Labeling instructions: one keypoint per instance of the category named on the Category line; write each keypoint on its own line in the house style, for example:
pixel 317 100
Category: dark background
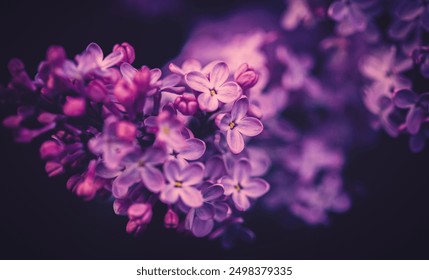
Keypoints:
pixel 40 219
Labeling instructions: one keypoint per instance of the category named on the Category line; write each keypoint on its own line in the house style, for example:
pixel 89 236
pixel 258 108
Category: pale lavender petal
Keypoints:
pixel 102 171
pixel 192 174
pixel 172 170
pixel 219 74
pixel 228 184
pixel 256 187
pixel 193 149
pixel 208 102
pixel 95 51
pixel 170 195
pixel 400 29
pixel 112 59
pixel 240 108
pixel 197 81
pixel 155 75
pixel 242 170
pixel 224 122
pixel 152 178
pixel 191 197
pixel 171 80
pixel 228 92
pixel 235 141
pixel 405 98
pixel 241 201
pixel 249 126
pixel 124 181
pixel 201 228
pixel 415 118
pixel 128 71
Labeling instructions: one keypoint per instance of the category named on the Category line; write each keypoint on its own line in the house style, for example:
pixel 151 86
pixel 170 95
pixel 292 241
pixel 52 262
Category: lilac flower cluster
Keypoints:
pixel 144 138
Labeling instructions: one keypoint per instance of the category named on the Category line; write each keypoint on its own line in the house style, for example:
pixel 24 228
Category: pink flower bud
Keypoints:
pixel 53 168
pixel 142 79
pixel 50 149
pixel 126 130
pixel 142 212
pixel 74 106
pixel 186 104
pixel 55 54
pixel 171 220
pixel 96 91
pixel 87 189
pixel 125 92
pixel 127 50
pixel 245 76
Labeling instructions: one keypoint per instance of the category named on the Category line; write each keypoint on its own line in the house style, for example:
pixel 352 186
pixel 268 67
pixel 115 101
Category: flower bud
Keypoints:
pixel 171 220
pixel 126 130
pixel 141 212
pixel 50 149
pixel 127 50
pixel 125 92
pixel 55 54
pixel 186 104
pixel 74 106
pixel 96 91
pixel 245 76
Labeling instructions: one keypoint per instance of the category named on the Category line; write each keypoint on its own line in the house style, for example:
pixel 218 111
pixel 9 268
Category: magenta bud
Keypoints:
pixel 55 54
pixel 245 76
pixel 186 104
pixel 53 168
pixel 142 212
pixel 126 130
pixel 87 189
pixel 50 149
pixel 96 91
pixel 127 50
pixel 125 92
pixel 142 79
pixel 171 220
pixel 74 106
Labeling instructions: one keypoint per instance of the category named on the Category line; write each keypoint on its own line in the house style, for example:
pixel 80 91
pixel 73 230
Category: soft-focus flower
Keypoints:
pixel 128 53
pixel 241 186
pixel 140 167
pixel 236 124
pixel 213 89
pixel 349 15
pixel 140 214
pixel 181 182
pixel 417 105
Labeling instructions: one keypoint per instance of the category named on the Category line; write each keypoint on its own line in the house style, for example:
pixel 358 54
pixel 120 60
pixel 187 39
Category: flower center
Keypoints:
pixel 141 163
pixel 178 184
pixel 238 187
pixel 232 125
pixel 213 92
pixel 165 130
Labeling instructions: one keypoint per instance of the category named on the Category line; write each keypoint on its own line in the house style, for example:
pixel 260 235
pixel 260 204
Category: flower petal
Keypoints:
pixel 192 174
pixel 201 228
pixel 228 92
pixel 219 74
pixel 409 10
pixel 228 184
pixel 249 126
pixel 338 10
pixel 415 118
pixel 241 201
pixel 256 187
pixel 205 212
pixel 193 149
pixel 170 195
pixel 124 181
pixel 224 122
pixel 208 102
pixel 197 81
pixel 235 141
pixel 191 197
pixel 405 98
pixel 154 155
pixel 221 211
pixel 112 59
pixel 152 178
pixel 215 168
pixel 240 108
pixel 213 192
pixel 128 71
pixel 172 171
pixel 242 170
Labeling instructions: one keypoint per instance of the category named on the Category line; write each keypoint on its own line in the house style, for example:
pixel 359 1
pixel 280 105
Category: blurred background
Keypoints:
pixel 41 219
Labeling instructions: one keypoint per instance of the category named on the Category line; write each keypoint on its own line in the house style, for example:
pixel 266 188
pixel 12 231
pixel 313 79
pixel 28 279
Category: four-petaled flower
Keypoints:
pixel 241 186
pixel 181 182
pixel 213 88
pixel 236 124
